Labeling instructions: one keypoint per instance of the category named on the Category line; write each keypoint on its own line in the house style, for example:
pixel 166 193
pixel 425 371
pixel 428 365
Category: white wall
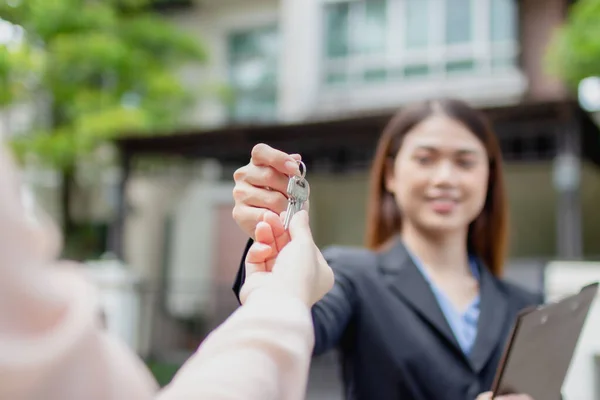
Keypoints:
pixel 193 246
pixel 299 69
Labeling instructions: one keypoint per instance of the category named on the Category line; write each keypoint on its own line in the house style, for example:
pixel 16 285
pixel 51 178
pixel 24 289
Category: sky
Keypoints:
pixel 9 33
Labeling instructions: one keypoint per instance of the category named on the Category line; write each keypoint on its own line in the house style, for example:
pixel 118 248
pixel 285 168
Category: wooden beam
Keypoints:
pixel 319 139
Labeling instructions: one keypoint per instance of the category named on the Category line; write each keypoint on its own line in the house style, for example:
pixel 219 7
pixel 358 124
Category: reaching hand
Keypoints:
pixel 284 261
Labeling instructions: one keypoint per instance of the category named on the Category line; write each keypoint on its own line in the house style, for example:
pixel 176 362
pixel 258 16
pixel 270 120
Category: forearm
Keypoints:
pixel 53 348
pixel 261 352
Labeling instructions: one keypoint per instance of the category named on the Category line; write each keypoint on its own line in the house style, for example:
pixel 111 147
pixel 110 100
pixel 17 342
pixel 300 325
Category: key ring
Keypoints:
pixel 302 170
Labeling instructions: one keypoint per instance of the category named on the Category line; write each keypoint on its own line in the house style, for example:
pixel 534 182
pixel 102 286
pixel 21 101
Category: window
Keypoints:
pixel 355 31
pixel 382 40
pixel 503 33
pixel 253 74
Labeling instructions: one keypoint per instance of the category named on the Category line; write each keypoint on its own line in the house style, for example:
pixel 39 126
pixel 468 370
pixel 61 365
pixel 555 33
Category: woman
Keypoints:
pixel 52 346
pixel 422 313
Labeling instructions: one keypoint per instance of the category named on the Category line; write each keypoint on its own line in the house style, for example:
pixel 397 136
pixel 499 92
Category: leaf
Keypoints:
pixel 19 70
pixel 96 127
pixel 574 51
pixel 156 36
pixel 109 68
pixel 56 148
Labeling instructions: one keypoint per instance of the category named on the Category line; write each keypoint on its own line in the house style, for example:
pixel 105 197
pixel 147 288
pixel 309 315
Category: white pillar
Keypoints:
pixel 299 60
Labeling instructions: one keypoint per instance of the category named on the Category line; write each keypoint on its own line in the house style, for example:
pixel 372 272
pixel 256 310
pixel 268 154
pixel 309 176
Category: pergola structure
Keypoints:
pixel 528 132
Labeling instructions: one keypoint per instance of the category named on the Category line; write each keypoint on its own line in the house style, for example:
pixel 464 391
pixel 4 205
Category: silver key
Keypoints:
pixel 297 196
pixel 298 191
pixel 301 191
pixel 291 203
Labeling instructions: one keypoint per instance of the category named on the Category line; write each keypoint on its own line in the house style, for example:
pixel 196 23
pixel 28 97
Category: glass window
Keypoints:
pixel 336 16
pixel 371 32
pixel 503 20
pixel 503 30
pixel 370 41
pixel 417 23
pixel 253 74
pixel 355 27
pixel 458 21
pixel 456 67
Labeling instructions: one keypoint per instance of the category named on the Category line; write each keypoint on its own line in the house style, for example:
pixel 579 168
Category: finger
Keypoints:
pixel 485 396
pixel 255 258
pixel 299 228
pixel 258 253
pixel 267 177
pixel 282 237
pixel 253 196
pixel 264 234
pixel 265 155
pixel 282 216
pixel 247 217
pixel 252 268
pixel 275 222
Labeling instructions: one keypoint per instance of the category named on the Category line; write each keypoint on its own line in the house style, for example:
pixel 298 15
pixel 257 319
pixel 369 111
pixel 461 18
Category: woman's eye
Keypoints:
pixel 466 163
pixel 424 160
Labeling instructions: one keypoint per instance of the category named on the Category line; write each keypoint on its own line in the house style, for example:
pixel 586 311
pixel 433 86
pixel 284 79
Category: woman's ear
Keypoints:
pixel 389 177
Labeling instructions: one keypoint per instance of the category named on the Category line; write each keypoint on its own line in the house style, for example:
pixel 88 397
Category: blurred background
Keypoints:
pixel 130 116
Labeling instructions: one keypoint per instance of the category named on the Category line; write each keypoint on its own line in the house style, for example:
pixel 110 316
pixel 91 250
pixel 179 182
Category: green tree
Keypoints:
pixel 104 68
pixel 574 52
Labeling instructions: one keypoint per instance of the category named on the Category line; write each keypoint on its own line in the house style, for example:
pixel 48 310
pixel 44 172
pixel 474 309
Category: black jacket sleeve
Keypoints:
pixel 240 278
pixel 332 314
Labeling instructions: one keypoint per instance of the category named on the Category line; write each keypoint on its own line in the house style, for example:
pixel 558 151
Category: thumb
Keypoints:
pixel 299 227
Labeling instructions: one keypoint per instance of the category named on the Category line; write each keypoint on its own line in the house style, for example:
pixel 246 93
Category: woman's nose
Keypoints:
pixel 444 173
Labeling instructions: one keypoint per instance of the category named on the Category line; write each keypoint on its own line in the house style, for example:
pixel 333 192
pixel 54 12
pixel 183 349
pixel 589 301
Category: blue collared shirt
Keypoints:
pixel 464 325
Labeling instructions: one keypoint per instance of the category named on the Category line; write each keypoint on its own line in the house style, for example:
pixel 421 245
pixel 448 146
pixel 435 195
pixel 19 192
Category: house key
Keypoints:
pixel 298 191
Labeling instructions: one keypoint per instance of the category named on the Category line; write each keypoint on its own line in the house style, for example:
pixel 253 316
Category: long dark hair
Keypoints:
pixel 487 235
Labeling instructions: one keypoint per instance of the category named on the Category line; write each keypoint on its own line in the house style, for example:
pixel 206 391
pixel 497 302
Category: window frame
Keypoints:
pixel 262 91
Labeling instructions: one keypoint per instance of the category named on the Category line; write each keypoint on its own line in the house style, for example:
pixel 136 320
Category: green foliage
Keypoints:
pixel 18 69
pixel 574 53
pixel 107 67
pixel 163 372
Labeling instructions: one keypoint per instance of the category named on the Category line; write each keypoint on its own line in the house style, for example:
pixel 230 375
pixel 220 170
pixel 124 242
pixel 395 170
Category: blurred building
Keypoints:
pixel 321 78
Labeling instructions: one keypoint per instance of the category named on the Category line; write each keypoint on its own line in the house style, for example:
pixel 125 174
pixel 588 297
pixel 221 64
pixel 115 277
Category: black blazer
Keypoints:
pixel 393 339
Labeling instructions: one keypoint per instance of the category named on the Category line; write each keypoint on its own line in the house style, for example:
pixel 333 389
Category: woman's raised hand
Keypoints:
pixel 261 185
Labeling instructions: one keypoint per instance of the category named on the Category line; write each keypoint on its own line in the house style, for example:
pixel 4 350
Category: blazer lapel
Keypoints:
pixel 406 281
pixel 492 320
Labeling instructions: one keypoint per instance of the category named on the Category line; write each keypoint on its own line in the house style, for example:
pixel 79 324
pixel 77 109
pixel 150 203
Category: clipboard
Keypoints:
pixel 541 346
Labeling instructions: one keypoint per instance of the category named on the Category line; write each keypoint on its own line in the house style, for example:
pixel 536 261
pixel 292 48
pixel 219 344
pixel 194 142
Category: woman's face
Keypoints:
pixel 440 176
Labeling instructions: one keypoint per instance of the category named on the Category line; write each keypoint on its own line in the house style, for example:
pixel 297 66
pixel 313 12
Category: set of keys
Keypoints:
pixel 298 191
